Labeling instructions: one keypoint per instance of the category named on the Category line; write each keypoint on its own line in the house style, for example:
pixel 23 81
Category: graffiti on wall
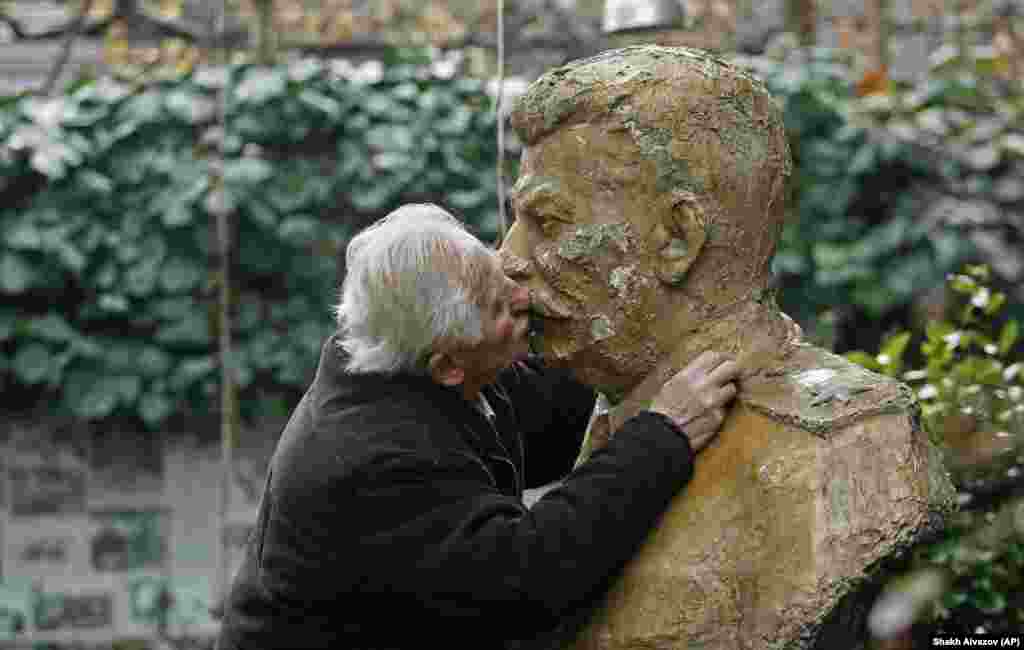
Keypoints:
pixel 50 487
pixel 46 475
pixel 128 540
pixel 45 550
pixel 179 605
pixel 40 548
pixel 58 611
pixel 15 609
pixel 88 541
pixel 125 468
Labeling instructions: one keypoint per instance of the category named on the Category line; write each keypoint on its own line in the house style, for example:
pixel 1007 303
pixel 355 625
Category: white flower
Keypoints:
pixel 883 359
pixel 928 392
pixel 369 72
pixel 1011 371
pixel 981 297
pixel 897 609
pixel 444 69
pixel 1015 393
pixel 991 349
pixel 342 68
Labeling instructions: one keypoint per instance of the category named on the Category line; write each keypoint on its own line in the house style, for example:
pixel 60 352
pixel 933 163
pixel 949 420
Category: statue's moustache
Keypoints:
pixel 547 305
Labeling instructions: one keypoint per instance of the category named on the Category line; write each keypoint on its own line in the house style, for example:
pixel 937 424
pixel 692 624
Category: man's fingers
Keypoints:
pixel 724 394
pixel 714 397
pixel 725 372
pixel 703 364
pixel 709 359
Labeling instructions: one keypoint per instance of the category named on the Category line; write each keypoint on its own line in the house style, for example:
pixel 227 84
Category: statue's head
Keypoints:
pixel 649 202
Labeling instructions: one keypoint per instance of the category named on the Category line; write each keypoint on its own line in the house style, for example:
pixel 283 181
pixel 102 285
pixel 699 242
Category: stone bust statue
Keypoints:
pixel 648 208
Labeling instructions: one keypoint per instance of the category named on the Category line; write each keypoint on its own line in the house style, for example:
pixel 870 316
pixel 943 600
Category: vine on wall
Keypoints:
pixel 888 187
pixel 106 212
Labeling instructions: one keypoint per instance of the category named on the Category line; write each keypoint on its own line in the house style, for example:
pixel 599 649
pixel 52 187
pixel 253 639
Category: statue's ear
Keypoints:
pixel 679 239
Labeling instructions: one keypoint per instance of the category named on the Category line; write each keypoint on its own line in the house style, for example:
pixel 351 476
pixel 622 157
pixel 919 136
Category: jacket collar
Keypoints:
pixel 494 440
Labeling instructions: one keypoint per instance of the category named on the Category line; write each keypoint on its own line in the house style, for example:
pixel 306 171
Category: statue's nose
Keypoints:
pixel 512 253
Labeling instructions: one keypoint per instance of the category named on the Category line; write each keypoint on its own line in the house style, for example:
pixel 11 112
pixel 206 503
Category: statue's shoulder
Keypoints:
pixel 821 391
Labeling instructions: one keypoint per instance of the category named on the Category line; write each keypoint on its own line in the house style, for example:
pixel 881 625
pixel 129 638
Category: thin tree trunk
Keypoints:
pixel 802 20
pixel 65 48
pixel 229 391
pixel 266 31
pixel 885 30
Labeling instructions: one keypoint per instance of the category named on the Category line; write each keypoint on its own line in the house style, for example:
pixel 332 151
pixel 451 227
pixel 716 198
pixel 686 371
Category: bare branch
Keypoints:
pixel 76 25
pixel 65 50
pixel 179 29
pixel 14 25
pixel 487 41
pixel 134 15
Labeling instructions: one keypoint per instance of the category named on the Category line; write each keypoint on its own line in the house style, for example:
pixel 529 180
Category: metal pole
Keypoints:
pixel 229 398
pixel 499 109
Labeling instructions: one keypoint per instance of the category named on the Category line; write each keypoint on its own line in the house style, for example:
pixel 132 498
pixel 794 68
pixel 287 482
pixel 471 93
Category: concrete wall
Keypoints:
pixel 918 28
pixel 93 525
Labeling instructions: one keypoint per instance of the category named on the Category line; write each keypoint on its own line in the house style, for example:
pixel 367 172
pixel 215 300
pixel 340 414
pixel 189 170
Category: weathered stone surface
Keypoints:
pixel 649 205
pixel 820 471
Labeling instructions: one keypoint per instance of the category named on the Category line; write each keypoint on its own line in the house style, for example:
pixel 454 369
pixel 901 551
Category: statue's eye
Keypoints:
pixel 550 222
pixel 549 226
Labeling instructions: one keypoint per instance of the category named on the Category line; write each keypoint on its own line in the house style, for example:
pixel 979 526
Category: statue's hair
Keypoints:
pixel 597 85
pixel 605 85
pixel 710 129
pixel 415 280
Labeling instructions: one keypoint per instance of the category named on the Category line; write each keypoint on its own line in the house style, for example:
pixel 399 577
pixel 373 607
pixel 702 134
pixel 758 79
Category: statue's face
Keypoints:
pixel 599 244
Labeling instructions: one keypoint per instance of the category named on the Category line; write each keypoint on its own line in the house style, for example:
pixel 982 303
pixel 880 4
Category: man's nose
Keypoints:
pixel 520 298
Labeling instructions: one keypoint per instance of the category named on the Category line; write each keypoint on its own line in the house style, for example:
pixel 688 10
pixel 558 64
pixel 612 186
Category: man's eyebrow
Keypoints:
pixel 535 194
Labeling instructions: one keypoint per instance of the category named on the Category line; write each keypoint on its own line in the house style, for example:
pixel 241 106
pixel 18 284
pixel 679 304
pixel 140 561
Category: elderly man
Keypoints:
pixel 393 513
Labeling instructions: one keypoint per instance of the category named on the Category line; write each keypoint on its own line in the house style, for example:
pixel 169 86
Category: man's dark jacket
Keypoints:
pixel 393 515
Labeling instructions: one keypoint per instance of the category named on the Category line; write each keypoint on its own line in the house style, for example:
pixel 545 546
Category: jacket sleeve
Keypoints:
pixel 473 556
pixel 552 410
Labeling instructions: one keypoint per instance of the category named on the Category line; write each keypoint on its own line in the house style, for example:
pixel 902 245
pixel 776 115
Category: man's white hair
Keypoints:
pixel 414 281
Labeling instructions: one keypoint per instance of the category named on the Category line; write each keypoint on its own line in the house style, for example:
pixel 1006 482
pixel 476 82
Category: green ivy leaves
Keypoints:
pixel 109 262
pixel 970 388
pixel 857 237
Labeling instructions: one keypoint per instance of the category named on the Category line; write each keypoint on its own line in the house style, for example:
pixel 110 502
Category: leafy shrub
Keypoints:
pixel 861 240
pixel 971 391
pixel 968 368
pixel 108 247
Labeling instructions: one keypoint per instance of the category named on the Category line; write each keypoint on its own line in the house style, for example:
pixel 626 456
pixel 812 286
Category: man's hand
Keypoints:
pixel 696 396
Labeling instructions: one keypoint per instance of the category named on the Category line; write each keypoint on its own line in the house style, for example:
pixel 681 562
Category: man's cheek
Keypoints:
pixel 506 330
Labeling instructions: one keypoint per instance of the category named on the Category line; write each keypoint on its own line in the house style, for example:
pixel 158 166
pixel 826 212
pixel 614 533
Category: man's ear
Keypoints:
pixel 680 237
pixel 445 370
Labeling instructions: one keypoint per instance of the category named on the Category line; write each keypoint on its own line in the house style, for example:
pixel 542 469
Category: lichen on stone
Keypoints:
pixel 620 278
pixel 556 112
pixel 601 328
pixel 677 248
pixel 587 240
pixel 655 144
